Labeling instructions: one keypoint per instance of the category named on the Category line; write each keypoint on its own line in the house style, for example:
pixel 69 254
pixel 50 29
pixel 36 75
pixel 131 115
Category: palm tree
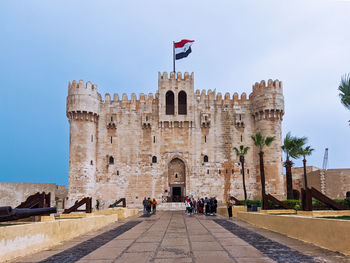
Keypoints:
pixel 344 91
pixel 291 147
pixel 241 153
pixel 261 141
pixel 307 151
pixel 344 88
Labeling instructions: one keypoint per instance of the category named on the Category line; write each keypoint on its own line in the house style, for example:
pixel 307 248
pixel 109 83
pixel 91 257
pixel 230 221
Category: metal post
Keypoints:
pixel 174 56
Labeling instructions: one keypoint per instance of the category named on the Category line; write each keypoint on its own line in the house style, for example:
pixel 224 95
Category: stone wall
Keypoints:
pixel 13 194
pixel 337 181
pixel 113 142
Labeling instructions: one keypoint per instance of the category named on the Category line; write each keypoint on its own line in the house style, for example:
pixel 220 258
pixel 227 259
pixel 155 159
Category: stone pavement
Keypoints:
pixel 176 237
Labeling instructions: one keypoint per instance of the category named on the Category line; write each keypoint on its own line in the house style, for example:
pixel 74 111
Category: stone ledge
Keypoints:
pixel 327 233
pixel 235 209
pixel 323 213
pixel 21 240
pixel 277 211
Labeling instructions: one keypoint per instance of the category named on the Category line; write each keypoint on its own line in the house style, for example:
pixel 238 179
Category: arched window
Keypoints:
pixel 111 160
pixel 182 101
pixel 169 103
pixel 154 159
pixel 205 159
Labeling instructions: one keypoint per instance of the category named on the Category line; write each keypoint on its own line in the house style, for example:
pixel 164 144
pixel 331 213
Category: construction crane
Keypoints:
pixel 323 171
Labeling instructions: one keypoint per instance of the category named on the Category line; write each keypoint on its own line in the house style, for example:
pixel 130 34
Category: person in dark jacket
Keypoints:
pixel 215 206
pixel 149 205
pixel 206 204
pixel 144 202
pixel 229 205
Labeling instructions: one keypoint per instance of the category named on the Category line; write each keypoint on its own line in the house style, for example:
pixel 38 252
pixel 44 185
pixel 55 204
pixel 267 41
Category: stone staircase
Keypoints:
pixel 179 206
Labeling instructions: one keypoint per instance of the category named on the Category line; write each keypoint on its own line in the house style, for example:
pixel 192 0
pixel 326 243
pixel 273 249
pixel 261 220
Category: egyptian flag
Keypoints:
pixel 183 48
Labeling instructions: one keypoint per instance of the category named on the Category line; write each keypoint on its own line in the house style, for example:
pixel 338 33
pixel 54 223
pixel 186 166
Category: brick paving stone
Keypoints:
pixel 143 247
pixel 206 246
pixel 78 251
pixel 201 238
pixel 272 249
pixel 212 256
pixel 143 257
pixel 104 253
pixel 174 237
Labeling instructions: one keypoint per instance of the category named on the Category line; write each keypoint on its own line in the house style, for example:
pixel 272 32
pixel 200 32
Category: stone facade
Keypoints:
pixel 13 194
pixel 333 182
pixel 178 142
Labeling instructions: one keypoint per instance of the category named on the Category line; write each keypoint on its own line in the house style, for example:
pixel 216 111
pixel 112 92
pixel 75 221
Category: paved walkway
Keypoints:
pixel 175 237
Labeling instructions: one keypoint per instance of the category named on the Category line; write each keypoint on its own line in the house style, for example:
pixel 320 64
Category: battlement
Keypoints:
pixel 217 97
pixel 134 99
pixel 258 87
pixel 178 76
pixel 75 87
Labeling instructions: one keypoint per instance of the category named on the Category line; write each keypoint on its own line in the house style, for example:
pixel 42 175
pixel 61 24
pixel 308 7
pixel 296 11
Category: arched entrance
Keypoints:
pixel 177 179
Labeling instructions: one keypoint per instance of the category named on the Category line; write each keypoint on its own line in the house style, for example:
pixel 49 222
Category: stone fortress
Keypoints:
pixel 176 143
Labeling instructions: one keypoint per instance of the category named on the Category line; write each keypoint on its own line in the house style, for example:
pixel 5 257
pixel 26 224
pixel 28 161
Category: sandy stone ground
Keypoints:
pixel 176 237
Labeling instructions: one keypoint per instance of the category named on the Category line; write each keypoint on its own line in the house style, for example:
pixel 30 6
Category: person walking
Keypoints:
pixel 215 206
pixel 229 205
pixel 201 206
pixel 144 202
pixel 154 205
pixel 206 203
pixel 149 205
pixel 188 206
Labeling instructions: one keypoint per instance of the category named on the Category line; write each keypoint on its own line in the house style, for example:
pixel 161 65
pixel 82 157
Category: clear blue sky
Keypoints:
pixel 121 45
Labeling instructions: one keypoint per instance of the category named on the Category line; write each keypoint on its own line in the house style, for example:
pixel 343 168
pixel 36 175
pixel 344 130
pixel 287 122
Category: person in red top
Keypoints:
pixel 154 205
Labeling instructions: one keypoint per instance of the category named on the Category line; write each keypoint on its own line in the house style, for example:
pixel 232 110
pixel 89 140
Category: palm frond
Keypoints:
pixel 258 140
pixel 344 88
pixel 269 140
pixel 241 151
pixel 292 145
pixel 306 151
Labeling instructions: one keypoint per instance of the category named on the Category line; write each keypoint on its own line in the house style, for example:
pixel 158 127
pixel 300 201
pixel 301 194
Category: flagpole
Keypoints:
pixel 174 56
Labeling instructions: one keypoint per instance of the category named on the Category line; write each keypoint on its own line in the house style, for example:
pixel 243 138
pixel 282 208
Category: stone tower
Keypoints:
pixel 83 112
pixel 267 108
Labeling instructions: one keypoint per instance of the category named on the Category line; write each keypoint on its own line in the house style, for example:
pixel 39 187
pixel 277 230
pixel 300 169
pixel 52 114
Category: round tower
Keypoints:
pixel 83 112
pixel 267 107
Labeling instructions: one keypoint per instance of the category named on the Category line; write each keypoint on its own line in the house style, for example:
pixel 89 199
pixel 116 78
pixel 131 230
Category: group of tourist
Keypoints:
pixel 149 206
pixel 207 206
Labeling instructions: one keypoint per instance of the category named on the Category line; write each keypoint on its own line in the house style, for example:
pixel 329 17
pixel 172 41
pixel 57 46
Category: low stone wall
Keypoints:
pixel 22 240
pixel 327 233
pixel 237 208
pixel 277 211
pixel 323 213
pixel 121 212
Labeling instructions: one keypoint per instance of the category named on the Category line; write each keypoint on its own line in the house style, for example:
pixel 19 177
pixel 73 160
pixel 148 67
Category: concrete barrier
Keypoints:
pixel 327 233
pixel 21 240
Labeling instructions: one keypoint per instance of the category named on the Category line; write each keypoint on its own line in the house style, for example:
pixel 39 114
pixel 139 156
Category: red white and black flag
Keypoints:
pixel 183 48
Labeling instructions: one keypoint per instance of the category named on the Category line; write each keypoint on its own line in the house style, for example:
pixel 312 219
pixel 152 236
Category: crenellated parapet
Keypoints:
pixel 267 101
pixel 217 98
pixel 82 100
pixel 134 100
pixel 175 77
